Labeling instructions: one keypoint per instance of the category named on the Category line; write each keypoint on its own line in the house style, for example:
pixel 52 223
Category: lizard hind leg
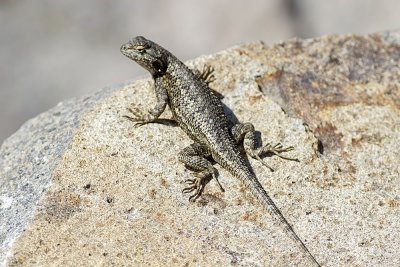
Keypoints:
pixel 244 132
pixel 194 158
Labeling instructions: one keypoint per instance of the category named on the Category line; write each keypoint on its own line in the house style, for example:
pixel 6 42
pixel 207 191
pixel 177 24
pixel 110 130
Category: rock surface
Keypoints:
pixel 81 186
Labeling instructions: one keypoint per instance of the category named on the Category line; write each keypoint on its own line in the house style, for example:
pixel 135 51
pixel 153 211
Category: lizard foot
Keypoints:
pixel 138 117
pixel 269 149
pixel 277 150
pixel 207 75
pixel 198 184
pixel 256 154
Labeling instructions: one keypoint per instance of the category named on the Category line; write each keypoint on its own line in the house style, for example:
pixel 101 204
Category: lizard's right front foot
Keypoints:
pixel 138 117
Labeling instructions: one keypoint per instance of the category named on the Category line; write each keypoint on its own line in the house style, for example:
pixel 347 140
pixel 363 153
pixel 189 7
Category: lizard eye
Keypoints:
pixel 140 48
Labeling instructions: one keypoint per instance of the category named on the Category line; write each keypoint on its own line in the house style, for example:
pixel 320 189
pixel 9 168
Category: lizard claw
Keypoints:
pixel 278 148
pixel 188 189
pixel 135 120
pixel 141 123
pixel 190 181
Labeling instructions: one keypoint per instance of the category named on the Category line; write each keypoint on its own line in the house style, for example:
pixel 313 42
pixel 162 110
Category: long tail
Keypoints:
pixel 258 191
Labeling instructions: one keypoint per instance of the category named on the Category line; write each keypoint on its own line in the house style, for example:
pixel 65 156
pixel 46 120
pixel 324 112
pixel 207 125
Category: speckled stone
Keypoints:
pixel 94 190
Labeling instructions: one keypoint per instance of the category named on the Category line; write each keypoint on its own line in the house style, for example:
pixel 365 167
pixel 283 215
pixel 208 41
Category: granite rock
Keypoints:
pixel 81 186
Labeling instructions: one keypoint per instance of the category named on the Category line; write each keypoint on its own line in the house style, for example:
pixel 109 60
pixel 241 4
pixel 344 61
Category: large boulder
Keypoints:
pixel 79 185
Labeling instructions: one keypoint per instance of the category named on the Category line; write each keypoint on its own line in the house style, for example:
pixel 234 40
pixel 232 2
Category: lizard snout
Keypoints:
pixel 125 47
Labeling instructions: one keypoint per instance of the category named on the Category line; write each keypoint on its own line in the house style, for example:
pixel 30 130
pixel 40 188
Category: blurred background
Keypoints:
pixel 54 50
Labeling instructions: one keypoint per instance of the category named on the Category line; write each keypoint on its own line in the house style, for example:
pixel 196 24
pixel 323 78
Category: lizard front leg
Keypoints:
pixel 207 74
pixel 152 115
pixel 244 132
pixel 194 158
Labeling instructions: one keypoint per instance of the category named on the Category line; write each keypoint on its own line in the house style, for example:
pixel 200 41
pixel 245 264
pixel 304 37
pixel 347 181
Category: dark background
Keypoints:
pixel 52 50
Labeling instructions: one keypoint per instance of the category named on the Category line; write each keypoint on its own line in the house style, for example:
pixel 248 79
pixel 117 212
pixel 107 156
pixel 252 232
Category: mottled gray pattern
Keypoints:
pixel 200 113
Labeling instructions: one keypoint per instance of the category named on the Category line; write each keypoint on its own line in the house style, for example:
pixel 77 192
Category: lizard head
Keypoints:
pixel 147 54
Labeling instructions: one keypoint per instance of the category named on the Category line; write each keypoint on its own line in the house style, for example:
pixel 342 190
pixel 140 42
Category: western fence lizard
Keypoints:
pixel 200 114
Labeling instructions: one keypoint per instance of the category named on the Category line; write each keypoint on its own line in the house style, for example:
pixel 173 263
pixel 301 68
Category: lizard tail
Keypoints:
pixel 258 191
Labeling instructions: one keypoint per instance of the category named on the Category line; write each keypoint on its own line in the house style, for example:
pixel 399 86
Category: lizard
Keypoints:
pixel 199 113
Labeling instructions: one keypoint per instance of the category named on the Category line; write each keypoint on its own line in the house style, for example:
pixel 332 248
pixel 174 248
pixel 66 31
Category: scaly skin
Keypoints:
pixel 199 112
